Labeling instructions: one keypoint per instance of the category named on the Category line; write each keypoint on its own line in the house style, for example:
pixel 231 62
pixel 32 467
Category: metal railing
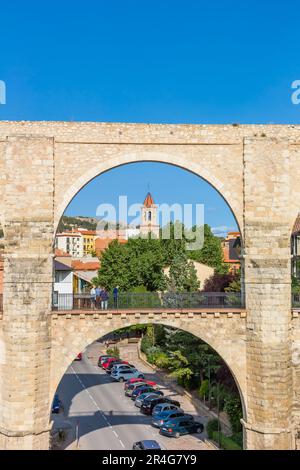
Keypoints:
pixel 296 300
pixel 153 300
pixel 150 300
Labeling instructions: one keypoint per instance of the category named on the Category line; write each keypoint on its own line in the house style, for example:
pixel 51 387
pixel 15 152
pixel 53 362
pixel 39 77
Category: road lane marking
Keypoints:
pixel 99 409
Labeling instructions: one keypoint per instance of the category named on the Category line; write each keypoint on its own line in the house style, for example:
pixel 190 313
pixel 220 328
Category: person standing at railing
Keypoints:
pixel 93 297
pixel 104 299
pixel 116 296
pixel 98 296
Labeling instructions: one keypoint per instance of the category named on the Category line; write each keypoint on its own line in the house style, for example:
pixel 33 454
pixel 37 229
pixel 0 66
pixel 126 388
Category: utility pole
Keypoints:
pixel 218 405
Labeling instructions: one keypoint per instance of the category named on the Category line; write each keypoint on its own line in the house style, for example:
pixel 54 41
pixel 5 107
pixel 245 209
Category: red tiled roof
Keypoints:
pixel 68 233
pixel 102 243
pixel 296 227
pixel 148 202
pixel 80 265
pixel 87 232
pixel 60 253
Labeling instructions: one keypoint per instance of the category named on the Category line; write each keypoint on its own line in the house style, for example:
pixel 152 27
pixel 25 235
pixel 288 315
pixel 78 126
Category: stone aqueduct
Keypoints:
pixel 255 168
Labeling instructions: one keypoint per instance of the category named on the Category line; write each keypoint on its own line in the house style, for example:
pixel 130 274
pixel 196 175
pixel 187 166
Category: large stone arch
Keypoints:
pixel 120 157
pixel 225 333
pixel 256 169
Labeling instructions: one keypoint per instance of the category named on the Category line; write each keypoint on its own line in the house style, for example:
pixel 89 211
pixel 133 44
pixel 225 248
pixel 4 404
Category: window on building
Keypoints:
pixel 149 215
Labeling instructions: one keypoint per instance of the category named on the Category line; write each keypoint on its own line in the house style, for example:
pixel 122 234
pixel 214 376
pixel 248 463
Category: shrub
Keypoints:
pixel 226 443
pixel 203 389
pixel 237 438
pixel 114 352
pixel 146 343
pixel 211 427
pixel 233 408
pixel 153 353
pixel 162 360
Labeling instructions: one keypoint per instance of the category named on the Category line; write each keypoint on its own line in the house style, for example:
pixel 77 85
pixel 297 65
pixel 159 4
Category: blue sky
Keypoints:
pixel 165 61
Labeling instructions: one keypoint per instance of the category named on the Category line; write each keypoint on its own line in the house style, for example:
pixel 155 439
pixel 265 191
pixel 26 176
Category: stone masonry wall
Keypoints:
pixel 25 327
pixel 255 168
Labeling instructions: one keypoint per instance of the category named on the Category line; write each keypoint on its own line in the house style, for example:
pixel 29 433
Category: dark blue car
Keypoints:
pixel 146 445
pixel 179 426
pixel 158 419
pixel 56 404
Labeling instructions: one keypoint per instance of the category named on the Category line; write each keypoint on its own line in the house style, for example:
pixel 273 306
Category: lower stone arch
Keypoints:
pixel 72 340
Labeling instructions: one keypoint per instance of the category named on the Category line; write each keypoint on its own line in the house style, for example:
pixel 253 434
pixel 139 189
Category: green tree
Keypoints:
pixel 114 262
pixel 182 275
pixel 295 285
pixel 211 253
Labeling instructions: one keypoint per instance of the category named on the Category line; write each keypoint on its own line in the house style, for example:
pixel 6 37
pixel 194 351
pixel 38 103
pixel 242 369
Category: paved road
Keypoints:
pixel 107 420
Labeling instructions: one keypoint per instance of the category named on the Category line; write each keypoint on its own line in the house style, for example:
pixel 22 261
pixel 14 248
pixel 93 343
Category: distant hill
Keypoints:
pixel 68 223
pixel 80 221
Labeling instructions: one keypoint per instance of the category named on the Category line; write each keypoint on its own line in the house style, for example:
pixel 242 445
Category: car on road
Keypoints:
pixel 124 374
pixel 149 403
pixel 139 400
pixel 132 381
pixel 180 426
pixel 56 404
pixel 78 357
pixel 146 445
pixel 138 391
pixel 159 420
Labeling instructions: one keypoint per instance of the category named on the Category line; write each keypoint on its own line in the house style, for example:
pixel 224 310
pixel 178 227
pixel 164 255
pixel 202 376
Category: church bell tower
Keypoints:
pixel 149 217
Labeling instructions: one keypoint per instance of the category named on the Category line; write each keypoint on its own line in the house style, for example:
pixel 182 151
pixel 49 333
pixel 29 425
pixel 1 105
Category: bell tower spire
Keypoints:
pixel 149 217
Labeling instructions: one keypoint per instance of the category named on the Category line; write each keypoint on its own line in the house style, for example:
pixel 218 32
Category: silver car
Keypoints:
pixel 123 375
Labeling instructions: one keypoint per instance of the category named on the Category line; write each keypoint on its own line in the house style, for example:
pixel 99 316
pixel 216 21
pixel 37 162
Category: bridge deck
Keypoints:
pixel 164 311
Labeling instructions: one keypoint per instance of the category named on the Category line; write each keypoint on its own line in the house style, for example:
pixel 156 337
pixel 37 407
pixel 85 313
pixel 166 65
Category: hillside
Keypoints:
pixel 68 223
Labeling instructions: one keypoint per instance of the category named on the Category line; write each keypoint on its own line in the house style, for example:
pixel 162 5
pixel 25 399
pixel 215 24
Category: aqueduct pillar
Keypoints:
pixel 25 358
pixel 268 294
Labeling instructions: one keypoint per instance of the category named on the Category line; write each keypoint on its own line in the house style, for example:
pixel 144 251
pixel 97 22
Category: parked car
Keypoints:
pixel 78 357
pixel 159 420
pixel 56 404
pixel 139 400
pixel 146 445
pixel 133 387
pixel 179 426
pixel 106 363
pixel 124 374
pixel 102 359
pixel 138 391
pixel 108 369
pixel 132 381
pixel 161 407
pixel 149 403
pixel 122 366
